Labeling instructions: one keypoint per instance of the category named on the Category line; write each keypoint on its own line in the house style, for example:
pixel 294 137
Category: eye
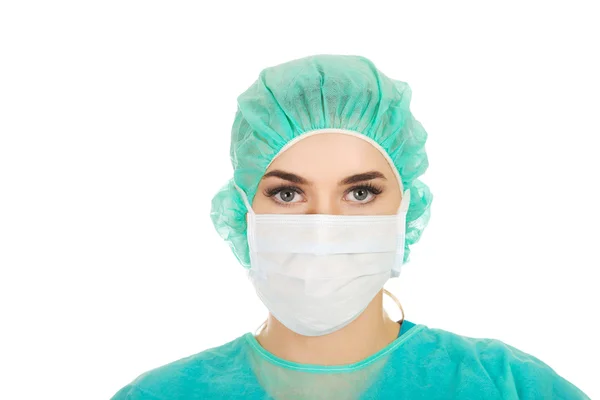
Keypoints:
pixel 362 194
pixel 285 195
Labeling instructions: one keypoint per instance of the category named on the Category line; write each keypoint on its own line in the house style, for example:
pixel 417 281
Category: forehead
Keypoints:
pixel 331 155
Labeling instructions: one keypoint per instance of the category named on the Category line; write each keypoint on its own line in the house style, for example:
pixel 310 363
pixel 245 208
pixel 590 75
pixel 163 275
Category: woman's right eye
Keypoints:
pixel 285 195
pixel 288 196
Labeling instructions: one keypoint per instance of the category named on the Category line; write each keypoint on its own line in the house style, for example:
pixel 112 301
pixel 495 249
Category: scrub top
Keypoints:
pixel 422 363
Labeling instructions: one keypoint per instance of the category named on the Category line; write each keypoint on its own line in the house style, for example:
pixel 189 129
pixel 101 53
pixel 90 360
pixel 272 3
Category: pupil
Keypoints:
pixel 360 194
pixel 287 196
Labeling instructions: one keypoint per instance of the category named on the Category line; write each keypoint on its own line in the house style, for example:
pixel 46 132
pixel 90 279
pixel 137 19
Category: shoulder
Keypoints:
pixel 511 371
pixel 186 378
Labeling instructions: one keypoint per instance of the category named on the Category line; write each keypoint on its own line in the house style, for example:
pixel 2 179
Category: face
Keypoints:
pixel 329 173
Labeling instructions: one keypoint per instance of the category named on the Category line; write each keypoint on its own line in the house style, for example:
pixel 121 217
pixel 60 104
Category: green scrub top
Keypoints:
pixel 422 363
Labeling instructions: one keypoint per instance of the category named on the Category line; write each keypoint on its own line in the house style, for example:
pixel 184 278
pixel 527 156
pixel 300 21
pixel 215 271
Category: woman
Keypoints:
pixel 322 210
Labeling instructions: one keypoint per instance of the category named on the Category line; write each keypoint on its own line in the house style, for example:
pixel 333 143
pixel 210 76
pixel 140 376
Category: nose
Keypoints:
pixel 324 204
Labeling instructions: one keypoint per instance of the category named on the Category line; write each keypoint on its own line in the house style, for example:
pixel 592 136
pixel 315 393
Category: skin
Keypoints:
pixel 308 178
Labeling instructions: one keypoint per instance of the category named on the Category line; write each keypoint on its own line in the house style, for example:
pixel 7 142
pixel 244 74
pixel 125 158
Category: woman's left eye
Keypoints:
pixel 361 194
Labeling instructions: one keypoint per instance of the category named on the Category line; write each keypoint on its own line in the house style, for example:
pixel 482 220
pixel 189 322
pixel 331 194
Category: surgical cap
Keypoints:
pixel 313 93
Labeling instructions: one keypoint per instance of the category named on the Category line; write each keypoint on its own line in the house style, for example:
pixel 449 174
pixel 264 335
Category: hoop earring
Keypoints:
pixel 397 303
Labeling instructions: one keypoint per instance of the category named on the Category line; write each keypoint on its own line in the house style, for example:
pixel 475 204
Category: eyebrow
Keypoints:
pixel 365 176
pixel 288 176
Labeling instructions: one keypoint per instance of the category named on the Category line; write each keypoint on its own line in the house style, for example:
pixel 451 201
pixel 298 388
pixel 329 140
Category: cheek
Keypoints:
pixel 262 204
pixel 389 202
pixel 393 204
pixel 395 200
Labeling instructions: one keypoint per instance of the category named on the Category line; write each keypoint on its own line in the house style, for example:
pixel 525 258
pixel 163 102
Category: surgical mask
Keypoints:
pixel 317 273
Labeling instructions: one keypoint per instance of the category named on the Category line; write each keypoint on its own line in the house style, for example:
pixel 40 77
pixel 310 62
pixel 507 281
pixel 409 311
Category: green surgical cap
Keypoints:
pixel 313 93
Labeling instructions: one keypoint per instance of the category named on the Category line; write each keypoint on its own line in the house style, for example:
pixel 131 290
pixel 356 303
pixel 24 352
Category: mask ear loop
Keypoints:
pixel 260 328
pixel 405 202
pixel 397 303
pixel 249 221
pixel 244 198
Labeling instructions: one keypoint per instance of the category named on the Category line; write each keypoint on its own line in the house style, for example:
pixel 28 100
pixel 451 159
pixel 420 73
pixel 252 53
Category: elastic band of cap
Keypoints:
pixel 345 132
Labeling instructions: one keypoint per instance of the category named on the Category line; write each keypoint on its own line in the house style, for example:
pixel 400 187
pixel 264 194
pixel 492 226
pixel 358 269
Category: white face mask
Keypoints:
pixel 317 273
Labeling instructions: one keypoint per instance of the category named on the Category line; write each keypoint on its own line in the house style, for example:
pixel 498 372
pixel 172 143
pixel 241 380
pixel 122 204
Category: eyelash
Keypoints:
pixel 369 186
pixel 273 191
pixel 376 190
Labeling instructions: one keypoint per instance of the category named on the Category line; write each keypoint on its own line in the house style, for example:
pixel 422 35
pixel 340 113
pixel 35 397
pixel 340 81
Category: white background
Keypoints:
pixel 115 119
